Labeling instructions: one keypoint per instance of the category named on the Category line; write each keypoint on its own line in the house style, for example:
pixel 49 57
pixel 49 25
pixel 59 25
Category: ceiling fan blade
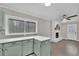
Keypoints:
pixel 72 16
pixel 68 19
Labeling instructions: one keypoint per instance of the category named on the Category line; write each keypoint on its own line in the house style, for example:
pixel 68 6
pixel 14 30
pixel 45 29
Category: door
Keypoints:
pixel 72 31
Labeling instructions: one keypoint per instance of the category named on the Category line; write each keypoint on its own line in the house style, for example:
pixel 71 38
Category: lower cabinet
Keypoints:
pixel 45 48
pixel 0 50
pixel 21 48
pixel 27 47
pixel 12 49
pixel 37 47
pixel 42 48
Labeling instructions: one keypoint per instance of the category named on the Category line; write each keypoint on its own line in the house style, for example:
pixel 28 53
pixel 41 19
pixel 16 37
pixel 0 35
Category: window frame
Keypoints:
pixel 8 16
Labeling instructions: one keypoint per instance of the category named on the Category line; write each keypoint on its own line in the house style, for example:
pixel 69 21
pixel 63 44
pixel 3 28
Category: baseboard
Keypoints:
pixel 71 39
pixel 56 40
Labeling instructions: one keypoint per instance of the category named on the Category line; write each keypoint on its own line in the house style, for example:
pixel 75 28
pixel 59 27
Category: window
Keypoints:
pixel 17 25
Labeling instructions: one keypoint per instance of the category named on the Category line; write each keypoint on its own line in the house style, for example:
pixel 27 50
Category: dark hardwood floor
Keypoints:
pixel 65 48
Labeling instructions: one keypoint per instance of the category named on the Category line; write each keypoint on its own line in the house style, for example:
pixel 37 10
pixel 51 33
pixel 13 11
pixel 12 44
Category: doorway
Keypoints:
pixel 72 31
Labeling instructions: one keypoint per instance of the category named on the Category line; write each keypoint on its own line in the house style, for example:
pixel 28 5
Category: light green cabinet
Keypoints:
pixel 1 19
pixel 19 48
pixel 27 47
pixel 0 50
pixel 42 48
pixel 12 49
pixel 37 47
pixel 45 48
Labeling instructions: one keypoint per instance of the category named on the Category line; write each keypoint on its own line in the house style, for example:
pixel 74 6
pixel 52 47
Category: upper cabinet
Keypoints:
pixel 16 25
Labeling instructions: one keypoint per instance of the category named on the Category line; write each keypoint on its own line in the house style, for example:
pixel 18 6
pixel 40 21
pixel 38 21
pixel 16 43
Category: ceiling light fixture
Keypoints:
pixel 47 4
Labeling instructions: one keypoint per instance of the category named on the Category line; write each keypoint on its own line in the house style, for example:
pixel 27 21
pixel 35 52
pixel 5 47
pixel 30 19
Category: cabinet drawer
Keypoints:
pixel 12 44
pixel 27 41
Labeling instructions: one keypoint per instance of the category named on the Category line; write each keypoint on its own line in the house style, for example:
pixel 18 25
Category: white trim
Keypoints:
pixel 56 39
pixel 7 16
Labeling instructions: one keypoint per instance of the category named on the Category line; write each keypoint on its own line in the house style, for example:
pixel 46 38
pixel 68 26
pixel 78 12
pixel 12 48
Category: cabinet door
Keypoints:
pixel 37 47
pixel 45 48
pixel 13 51
pixel 0 52
pixel 27 47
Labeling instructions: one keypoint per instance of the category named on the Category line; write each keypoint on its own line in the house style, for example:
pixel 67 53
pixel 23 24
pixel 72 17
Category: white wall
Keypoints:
pixel 53 12
pixel 43 25
pixel 68 9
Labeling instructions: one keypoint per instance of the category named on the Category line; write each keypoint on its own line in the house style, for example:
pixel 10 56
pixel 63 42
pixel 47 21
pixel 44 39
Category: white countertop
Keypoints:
pixel 40 38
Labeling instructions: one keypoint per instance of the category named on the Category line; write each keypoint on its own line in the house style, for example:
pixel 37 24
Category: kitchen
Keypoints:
pixel 33 29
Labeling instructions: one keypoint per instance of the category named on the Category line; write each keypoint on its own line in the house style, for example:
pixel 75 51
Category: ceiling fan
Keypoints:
pixel 69 18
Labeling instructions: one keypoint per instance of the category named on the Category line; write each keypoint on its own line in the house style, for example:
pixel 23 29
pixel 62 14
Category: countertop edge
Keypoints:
pixel 40 38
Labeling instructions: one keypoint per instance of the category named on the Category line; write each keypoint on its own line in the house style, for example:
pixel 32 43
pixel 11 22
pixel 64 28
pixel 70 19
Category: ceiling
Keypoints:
pixel 53 12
